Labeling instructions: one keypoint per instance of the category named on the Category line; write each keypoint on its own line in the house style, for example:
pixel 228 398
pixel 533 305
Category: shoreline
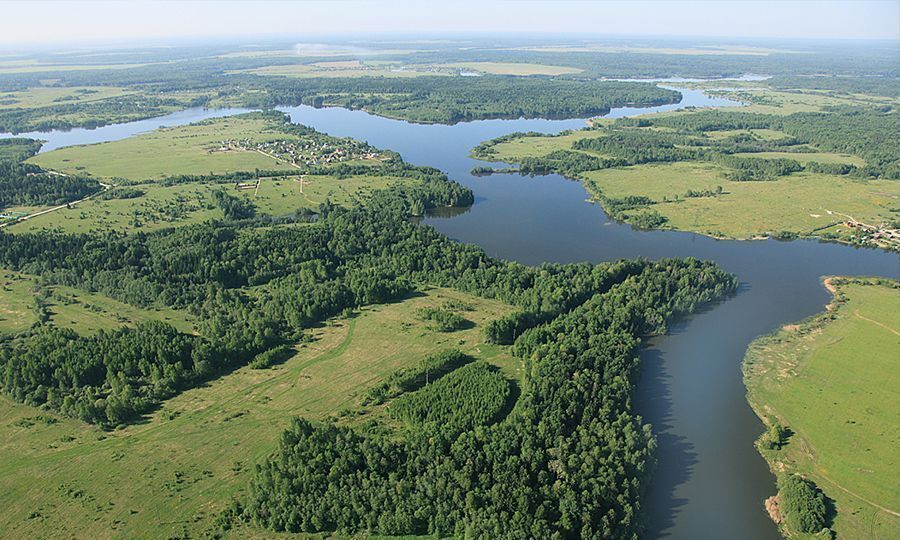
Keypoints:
pixel 756 369
pixel 595 198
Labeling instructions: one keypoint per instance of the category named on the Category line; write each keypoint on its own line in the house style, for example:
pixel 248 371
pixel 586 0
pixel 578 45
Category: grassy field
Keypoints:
pixel 160 206
pixel 798 203
pixel 82 311
pixel 512 68
pixel 164 206
pixel 34 98
pixel 190 149
pixel 832 381
pixel 281 195
pixel 768 101
pixel 802 203
pixel 170 475
pixel 763 134
pixel 515 149
pixel 194 149
pixel 806 157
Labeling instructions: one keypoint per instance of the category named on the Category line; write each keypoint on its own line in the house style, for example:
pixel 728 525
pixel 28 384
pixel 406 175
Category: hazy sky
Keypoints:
pixel 31 22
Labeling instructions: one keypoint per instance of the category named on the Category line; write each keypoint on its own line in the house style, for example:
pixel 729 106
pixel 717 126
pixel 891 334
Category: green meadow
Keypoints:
pixel 163 206
pixel 832 381
pixel 801 203
pixel 45 96
pixel 66 307
pixel 191 149
pixel 173 473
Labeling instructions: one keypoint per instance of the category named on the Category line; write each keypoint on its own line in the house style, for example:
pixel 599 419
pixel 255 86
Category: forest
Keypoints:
pixel 449 100
pixel 571 460
pixel 631 141
pixel 23 184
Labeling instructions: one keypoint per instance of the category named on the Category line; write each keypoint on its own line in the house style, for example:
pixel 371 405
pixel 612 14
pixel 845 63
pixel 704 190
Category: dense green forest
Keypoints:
pixel 29 185
pixel 92 114
pixel 865 133
pixel 456 99
pixel 302 275
pixel 571 460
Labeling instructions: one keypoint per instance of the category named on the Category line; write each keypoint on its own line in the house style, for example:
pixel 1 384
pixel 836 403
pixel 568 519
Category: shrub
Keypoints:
pixel 267 359
pixel 802 504
pixel 444 320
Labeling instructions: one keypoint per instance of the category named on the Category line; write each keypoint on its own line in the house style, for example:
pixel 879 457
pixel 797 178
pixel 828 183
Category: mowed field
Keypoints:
pixel 798 203
pixel 173 473
pixel 84 312
pixel 833 381
pixel 190 149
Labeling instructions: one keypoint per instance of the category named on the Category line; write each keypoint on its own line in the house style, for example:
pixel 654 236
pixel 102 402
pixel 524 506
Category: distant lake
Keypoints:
pixel 58 138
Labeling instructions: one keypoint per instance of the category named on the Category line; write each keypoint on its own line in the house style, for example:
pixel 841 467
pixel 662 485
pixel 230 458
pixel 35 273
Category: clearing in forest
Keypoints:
pixel 174 472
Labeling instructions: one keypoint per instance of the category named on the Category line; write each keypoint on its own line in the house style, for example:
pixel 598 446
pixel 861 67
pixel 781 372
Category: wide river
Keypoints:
pixel 710 482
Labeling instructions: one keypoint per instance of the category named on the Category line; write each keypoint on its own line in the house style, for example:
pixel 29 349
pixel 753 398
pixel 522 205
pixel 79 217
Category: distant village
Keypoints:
pixel 305 151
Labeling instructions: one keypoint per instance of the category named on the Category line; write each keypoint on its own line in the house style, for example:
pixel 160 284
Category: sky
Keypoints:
pixel 47 22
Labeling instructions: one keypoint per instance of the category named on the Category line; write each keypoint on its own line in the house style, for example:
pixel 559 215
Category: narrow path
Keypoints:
pixel 858 496
pixel 106 188
pixel 873 321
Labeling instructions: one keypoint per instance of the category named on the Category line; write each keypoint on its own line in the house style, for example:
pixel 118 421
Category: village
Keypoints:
pixel 304 151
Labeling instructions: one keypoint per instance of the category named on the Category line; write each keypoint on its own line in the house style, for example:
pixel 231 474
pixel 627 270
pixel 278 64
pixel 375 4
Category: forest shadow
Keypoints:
pixel 675 455
pixel 515 390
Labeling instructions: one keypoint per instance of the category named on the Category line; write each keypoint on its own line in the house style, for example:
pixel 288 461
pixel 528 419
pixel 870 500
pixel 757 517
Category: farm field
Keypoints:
pixel 832 382
pixel 798 203
pixel 190 149
pixel 66 307
pixel 173 473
